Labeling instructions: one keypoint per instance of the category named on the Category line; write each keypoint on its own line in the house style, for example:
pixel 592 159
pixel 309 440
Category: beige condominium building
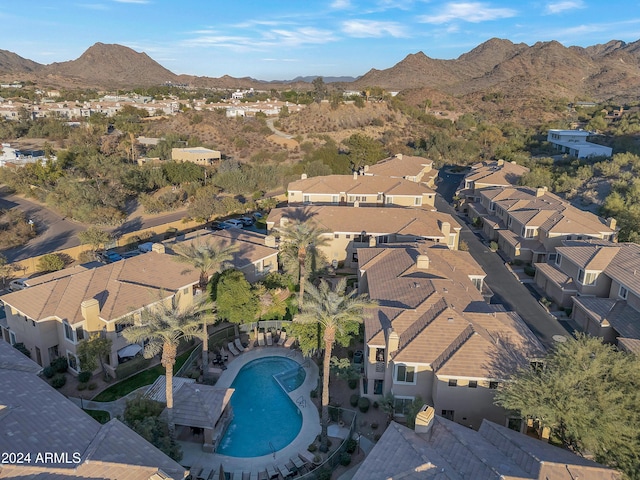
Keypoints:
pixel 434 335
pixel 360 189
pixel 197 155
pixel 58 311
pixel 529 223
pixel 414 169
pixel 351 228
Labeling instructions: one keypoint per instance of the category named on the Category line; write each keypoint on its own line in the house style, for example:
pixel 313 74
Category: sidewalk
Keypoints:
pixel 115 408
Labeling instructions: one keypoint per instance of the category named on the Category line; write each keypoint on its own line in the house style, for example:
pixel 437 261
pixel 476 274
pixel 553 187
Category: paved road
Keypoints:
pixel 507 290
pixel 56 232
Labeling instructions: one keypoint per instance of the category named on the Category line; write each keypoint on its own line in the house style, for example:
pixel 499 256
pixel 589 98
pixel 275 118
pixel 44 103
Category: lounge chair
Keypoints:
pixel 299 464
pixel 254 476
pixel 271 472
pixel 239 345
pixel 289 342
pixel 283 337
pixel 284 470
pixel 232 349
pixel 269 339
pixel 261 339
pixel 306 457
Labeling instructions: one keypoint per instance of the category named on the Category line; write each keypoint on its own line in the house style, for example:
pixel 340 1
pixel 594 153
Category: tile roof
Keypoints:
pixel 554 274
pixel 399 166
pixel 35 418
pixel 361 184
pixel 449 451
pixel 493 173
pixel 120 288
pixel 198 405
pixel 618 313
pixel 375 220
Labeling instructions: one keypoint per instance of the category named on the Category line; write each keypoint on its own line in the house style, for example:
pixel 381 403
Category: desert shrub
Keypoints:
pixel 353 400
pixel 312 448
pixel 374 426
pixel 529 270
pixel 92 386
pixel 60 364
pixel 351 445
pixel 345 458
pixel 334 413
pixel 81 386
pixel 58 381
pixel 51 262
pixel 363 404
pixel 493 246
pixel 353 383
pixel 48 372
pixel 84 377
pixel 22 349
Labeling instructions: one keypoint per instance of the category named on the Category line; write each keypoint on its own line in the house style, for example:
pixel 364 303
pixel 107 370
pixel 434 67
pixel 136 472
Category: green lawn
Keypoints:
pixel 146 377
pixel 100 415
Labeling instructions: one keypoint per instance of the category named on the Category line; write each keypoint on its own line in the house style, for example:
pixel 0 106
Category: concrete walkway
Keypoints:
pixel 115 408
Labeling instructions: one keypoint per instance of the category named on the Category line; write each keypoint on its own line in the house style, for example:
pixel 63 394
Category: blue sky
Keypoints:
pixel 281 39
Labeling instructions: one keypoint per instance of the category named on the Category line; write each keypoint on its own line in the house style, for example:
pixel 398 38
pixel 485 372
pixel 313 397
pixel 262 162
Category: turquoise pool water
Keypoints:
pixel 265 419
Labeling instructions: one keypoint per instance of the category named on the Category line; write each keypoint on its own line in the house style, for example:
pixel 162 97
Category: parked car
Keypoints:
pixel 111 257
pixel 232 223
pixel 247 221
pixel 15 285
pixel 216 226
pixel 358 356
pixel 257 215
pixel 145 247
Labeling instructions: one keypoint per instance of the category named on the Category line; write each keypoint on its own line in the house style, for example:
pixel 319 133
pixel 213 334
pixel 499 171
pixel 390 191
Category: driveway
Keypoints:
pixel 507 290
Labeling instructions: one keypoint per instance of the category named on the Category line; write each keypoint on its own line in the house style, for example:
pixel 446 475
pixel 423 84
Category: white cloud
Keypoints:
pixel 372 28
pixel 559 7
pixel 473 12
pixel 274 38
pixel 340 4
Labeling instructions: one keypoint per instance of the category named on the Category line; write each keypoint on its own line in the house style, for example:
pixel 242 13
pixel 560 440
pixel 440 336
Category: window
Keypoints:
pixel 377 387
pixel 417 201
pixel 453 382
pixel 558 259
pixel 405 374
pixel 364 199
pixel 354 257
pixel 383 239
pixel 492 206
pixel 587 278
pixel 402 405
pixel 509 222
pixel 552 257
pixel 336 235
pixel 473 384
pixel 379 354
pixel 53 353
pixel 73 361
pixel 448 414
pixel 623 292
pixel 68 332
pixel 12 337
pixel 306 199
pixel 388 200
pixel 379 198
pixel 477 282
pixel 530 232
pixel 334 199
pixel 347 236
pixel 79 334
pixel 120 326
pixel 493 385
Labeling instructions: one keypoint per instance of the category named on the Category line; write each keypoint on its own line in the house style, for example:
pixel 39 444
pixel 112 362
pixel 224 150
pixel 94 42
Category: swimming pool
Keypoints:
pixel 264 417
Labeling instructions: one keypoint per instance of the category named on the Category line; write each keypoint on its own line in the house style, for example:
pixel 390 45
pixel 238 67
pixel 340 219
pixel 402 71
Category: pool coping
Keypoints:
pixel 310 429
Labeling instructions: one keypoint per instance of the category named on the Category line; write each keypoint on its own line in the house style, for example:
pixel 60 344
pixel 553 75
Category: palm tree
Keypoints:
pixel 163 325
pixel 334 311
pixel 301 239
pixel 209 259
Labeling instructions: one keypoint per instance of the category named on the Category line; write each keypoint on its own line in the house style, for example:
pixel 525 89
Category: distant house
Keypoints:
pixel 439 449
pixel 491 173
pixel 574 143
pixel 414 169
pixel 363 189
pixel 197 155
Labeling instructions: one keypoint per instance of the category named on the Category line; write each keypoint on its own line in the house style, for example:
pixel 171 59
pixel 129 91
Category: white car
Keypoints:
pixel 15 285
pixel 233 223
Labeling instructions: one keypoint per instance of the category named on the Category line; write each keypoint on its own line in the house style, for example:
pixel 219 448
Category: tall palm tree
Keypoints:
pixel 209 259
pixel 163 325
pixel 334 311
pixel 301 239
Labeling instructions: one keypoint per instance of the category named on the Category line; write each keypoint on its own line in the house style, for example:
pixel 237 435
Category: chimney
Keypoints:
pixel 373 242
pixel 303 176
pixel 393 341
pixel 540 191
pixel 158 248
pixel 355 175
pixel 611 223
pixel 445 228
pixel 366 168
pixel 500 162
pixel 90 310
pixel 399 156
pixel 422 262
pixel 424 419
pixel 270 241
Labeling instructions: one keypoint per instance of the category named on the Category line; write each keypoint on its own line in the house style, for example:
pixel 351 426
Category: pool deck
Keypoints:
pixel 192 452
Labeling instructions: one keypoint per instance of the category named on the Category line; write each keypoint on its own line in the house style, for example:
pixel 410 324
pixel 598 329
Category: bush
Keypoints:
pixel 363 404
pixel 312 448
pixel 314 393
pixel 84 377
pixel 351 445
pixel 58 381
pixel 334 413
pixel 493 246
pixel 22 349
pixel 48 372
pixel 60 364
pixel 81 386
pixel 529 270
pixel 374 426
pixel 92 386
pixel 353 383
pixel 353 400
pixel 345 458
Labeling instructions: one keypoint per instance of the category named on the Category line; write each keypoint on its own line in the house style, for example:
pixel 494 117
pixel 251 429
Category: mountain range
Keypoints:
pixel 608 71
